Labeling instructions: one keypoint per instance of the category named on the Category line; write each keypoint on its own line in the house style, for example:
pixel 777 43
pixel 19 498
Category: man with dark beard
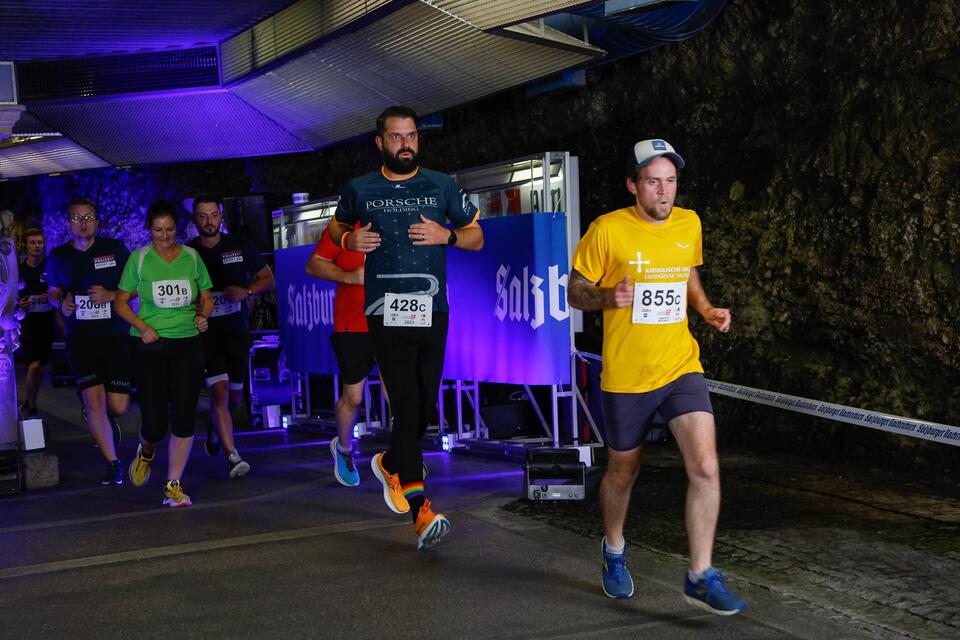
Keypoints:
pixel 237 271
pixel 401 209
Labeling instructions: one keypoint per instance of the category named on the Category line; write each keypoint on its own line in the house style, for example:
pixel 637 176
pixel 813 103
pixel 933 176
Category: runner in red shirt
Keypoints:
pixel 351 344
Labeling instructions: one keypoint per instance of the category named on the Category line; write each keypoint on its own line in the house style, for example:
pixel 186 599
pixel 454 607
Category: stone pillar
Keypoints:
pixel 10 315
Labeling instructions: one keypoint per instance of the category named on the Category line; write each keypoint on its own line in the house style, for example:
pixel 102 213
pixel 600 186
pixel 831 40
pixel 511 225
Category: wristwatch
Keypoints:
pixel 452 240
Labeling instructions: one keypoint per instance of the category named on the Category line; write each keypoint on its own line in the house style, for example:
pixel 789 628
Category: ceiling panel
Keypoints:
pixel 418 55
pixel 297 26
pixel 490 14
pixel 38 29
pixel 46 156
pixel 174 127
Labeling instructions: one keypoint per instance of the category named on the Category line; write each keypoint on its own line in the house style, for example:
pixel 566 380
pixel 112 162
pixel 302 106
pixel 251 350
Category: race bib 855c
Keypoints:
pixel 659 303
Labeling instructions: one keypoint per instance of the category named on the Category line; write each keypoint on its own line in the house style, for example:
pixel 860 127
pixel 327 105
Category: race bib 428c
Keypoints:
pixel 407 310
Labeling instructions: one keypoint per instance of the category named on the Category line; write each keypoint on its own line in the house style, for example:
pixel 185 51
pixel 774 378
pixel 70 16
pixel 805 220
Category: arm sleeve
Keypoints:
pixel 460 211
pixel 698 245
pixel 123 254
pixel 252 257
pixel 129 279
pixel 325 248
pixel 51 272
pixel 347 207
pixel 588 256
pixel 203 276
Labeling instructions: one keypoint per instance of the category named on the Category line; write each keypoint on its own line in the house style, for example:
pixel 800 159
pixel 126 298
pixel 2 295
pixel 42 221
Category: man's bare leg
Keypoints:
pixel 696 436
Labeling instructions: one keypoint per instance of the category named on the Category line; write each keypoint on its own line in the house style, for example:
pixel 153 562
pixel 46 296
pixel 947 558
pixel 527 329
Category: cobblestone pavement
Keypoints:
pixel 877 552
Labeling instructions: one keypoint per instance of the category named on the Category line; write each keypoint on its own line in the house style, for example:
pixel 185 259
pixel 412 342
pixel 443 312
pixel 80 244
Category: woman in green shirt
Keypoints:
pixel 169 278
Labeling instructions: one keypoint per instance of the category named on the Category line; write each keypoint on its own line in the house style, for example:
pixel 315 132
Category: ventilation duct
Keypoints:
pixel 110 75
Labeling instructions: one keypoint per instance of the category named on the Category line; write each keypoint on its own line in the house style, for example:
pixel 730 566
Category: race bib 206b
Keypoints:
pixel 87 309
pixel 223 305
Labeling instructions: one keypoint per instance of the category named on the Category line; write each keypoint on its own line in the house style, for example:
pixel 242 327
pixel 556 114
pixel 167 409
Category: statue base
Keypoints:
pixel 40 469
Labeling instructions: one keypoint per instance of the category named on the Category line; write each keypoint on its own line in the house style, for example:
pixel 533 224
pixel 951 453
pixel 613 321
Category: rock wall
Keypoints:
pixel 823 149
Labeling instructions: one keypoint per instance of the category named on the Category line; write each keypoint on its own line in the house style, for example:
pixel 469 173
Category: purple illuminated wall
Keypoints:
pixel 122 197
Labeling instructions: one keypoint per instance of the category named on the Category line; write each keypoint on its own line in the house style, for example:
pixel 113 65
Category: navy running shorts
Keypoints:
pixel 627 416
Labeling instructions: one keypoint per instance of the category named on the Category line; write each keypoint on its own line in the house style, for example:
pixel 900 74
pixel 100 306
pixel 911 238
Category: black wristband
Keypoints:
pixel 452 240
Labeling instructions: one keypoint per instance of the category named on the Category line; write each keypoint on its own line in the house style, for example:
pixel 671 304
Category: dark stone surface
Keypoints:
pixel 869 547
pixel 822 147
pixel 41 469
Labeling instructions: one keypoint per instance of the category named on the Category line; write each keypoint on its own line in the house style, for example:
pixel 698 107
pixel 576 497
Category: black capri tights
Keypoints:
pixel 410 360
pixel 169 373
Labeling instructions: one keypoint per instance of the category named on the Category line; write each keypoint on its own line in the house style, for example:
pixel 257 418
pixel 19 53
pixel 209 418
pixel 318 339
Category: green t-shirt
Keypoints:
pixel 167 290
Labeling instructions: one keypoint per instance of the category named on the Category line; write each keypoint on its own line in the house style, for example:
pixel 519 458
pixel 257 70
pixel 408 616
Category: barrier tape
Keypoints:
pixel 932 431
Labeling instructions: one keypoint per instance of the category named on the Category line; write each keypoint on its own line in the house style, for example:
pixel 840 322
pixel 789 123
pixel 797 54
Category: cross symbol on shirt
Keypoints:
pixel 639 262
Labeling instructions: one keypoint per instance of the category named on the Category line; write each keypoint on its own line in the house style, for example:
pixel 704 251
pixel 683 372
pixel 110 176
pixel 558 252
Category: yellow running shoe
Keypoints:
pixel 392 494
pixel 174 495
pixel 430 526
pixel 139 469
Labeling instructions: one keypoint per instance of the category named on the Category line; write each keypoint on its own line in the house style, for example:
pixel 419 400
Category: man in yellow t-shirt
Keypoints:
pixel 639 265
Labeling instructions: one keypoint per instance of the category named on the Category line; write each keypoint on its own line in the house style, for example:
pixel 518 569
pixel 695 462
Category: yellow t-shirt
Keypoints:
pixel 649 345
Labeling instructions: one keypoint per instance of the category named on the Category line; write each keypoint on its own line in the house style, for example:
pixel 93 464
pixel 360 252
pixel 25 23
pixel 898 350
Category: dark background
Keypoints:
pixel 822 142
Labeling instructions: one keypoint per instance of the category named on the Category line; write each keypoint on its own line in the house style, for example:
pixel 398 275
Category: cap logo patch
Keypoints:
pixel 659 145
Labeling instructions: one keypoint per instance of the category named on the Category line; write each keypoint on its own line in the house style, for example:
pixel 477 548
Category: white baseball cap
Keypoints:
pixel 645 151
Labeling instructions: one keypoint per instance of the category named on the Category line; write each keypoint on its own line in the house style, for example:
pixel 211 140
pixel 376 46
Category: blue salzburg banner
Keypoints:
pixel 509 320
pixel 304 313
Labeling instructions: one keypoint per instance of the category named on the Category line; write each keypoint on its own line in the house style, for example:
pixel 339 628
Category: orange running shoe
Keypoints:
pixel 430 526
pixel 392 494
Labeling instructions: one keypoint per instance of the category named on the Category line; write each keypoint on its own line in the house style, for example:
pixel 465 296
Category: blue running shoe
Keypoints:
pixel 711 594
pixel 615 578
pixel 343 466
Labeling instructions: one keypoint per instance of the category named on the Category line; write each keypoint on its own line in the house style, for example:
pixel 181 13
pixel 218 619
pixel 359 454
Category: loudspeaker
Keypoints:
pixel 251 217
pixel 554 474
pixel 507 420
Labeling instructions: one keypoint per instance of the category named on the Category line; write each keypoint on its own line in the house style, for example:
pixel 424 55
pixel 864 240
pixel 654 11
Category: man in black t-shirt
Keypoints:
pixel 402 210
pixel 237 271
pixel 36 328
pixel 82 275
